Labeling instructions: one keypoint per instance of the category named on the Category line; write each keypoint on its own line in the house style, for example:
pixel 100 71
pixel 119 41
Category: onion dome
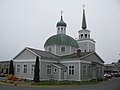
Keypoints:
pixel 61 23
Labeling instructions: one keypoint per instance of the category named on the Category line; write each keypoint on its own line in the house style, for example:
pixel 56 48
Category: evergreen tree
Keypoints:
pixel 36 70
pixel 11 68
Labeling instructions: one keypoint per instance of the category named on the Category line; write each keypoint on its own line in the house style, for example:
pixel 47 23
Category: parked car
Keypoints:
pixel 117 75
pixel 107 75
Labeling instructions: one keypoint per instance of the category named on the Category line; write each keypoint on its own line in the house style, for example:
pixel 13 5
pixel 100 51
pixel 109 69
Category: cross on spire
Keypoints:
pixel 83 6
pixel 61 12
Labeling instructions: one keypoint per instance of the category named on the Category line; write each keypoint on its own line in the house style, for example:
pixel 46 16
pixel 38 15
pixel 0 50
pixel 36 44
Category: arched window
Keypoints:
pixel 58 28
pixel 61 28
pixel 85 35
pixel 81 35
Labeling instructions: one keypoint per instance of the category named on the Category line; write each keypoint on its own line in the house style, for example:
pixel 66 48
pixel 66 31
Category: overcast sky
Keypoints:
pixel 29 23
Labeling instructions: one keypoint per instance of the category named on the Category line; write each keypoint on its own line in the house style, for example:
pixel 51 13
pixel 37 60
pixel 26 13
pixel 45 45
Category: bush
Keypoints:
pixel 13 78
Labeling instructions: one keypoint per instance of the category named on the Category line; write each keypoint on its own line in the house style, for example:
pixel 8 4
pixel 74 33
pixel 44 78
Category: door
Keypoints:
pixel 65 74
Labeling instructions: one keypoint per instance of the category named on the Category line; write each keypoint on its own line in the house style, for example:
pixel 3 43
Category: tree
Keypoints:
pixel 36 70
pixel 11 68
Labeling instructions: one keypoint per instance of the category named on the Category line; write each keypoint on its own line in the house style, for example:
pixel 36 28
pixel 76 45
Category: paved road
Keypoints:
pixel 113 84
pixel 2 78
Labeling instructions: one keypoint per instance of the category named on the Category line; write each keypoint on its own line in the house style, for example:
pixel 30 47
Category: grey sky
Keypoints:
pixel 26 23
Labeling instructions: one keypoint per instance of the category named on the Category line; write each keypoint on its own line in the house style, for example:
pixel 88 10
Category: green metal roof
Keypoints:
pixel 61 23
pixel 61 39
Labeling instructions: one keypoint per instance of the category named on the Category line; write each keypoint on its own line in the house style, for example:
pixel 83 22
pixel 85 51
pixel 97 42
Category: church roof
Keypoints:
pixel 40 53
pixel 74 55
pixel 61 39
pixel 48 55
pixel 83 55
pixel 43 54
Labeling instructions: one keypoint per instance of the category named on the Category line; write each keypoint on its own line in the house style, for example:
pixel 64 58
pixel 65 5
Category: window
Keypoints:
pixel 49 69
pixel 85 35
pixel 81 35
pixel 55 70
pixel 58 28
pixel 58 31
pixel 89 70
pixel 62 49
pixel 25 69
pixel 18 68
pixel 100 71
pixel 49 49
pixel 97 71
pixel 6 70
pixel 61 28
pixel 32 69
pixel 84 70
pixel 71 70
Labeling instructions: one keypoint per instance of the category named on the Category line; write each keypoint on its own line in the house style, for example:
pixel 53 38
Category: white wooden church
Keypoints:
pixel 64 57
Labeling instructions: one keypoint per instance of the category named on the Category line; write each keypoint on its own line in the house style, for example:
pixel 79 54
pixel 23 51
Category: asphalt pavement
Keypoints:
pixel 113 84
pixel 2 78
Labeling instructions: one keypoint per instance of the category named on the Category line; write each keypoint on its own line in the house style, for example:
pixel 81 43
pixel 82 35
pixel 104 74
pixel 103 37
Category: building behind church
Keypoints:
pixel 64 57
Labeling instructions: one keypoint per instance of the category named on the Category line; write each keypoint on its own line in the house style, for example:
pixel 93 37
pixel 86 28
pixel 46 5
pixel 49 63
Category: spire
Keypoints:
pixel 84 25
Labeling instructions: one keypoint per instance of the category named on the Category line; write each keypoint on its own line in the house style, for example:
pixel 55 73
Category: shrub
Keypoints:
pixel 13 78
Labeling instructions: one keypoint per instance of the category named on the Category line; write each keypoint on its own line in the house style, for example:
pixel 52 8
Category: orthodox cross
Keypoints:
pixel 61 12
pixel 83 6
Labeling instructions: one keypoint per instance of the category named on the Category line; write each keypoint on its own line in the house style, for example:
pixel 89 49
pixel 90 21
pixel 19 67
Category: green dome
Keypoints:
pixel 61 39
pixel 61 23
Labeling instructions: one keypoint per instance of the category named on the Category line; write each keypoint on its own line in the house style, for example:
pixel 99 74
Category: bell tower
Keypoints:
pixel 86 44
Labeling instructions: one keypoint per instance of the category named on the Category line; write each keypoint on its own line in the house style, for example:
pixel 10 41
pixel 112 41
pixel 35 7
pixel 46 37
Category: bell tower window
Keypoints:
pixel 81 35
pixel 61 28
pixel 58 28
pixel 85 35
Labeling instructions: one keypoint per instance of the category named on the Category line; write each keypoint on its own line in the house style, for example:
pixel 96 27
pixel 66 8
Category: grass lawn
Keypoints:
pixel 71 83
pixel 54 83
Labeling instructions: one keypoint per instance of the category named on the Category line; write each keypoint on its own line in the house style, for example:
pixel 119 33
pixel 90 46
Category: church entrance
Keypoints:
pixel 65 74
